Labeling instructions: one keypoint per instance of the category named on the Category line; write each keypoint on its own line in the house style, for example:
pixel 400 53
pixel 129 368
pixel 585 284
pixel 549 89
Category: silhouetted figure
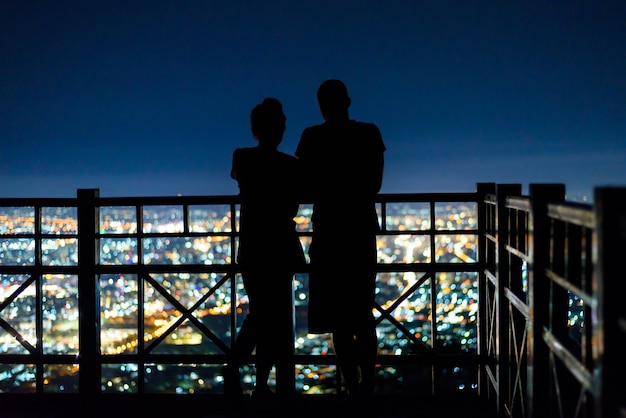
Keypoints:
pixel 343 163
pixel 269 249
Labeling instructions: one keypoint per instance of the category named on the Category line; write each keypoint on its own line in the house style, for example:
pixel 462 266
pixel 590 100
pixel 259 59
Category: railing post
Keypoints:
pixel 503 191
pixel 609 287
pixel 483 190
pixel 539 296
pixel 88 295
pixel 486 260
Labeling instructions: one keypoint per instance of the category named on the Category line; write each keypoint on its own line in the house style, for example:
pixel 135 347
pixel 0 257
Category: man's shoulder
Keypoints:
pixel 313 128
pixel 340 127
pixel 365 125
pixel 244 150
pixel 309 139
pixel 361 122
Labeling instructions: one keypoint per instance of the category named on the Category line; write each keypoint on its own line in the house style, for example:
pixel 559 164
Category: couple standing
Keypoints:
pixel 339 167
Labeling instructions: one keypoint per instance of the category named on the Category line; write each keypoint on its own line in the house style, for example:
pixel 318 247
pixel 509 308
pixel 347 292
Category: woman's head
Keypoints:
pixel 267 121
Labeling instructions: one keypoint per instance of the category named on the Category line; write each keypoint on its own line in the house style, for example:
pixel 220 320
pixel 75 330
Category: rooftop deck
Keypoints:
pixel 489 304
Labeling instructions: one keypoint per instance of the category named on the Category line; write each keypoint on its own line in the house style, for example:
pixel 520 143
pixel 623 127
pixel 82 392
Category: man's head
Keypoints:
pixel 333 100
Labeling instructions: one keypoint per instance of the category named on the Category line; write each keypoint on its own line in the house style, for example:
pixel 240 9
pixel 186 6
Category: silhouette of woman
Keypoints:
pixel 269 249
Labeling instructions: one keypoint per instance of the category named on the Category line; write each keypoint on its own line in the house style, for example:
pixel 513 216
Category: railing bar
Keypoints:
pixel 428 267
pixel 521 203
pixel 492 277
pixel 578 214
pixel 186 218
pixel 521 306
pixel 38 201
pixel 423 358
pixel 18 337
pixel 577 369
pixel 211 233
pixel 589 300
pixel 38 279
pixel 519 254
pixel 492 377
pixel 17 292
pixel 165 234
pixel 469 197
pixel 420 232
pixel 473 267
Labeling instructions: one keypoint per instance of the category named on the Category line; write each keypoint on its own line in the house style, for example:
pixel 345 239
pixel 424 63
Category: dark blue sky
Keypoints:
pixel 149 98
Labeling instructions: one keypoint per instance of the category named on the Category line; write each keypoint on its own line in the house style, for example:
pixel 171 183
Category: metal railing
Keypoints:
pixel 143 295
pixel 491 294
pixel 552 295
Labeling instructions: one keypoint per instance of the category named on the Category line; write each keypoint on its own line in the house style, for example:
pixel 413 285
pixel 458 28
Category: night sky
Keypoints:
pixel 150 98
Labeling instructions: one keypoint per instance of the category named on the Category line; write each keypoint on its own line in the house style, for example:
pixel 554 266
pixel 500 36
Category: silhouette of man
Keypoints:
pixel 343 164
pixel 269 248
